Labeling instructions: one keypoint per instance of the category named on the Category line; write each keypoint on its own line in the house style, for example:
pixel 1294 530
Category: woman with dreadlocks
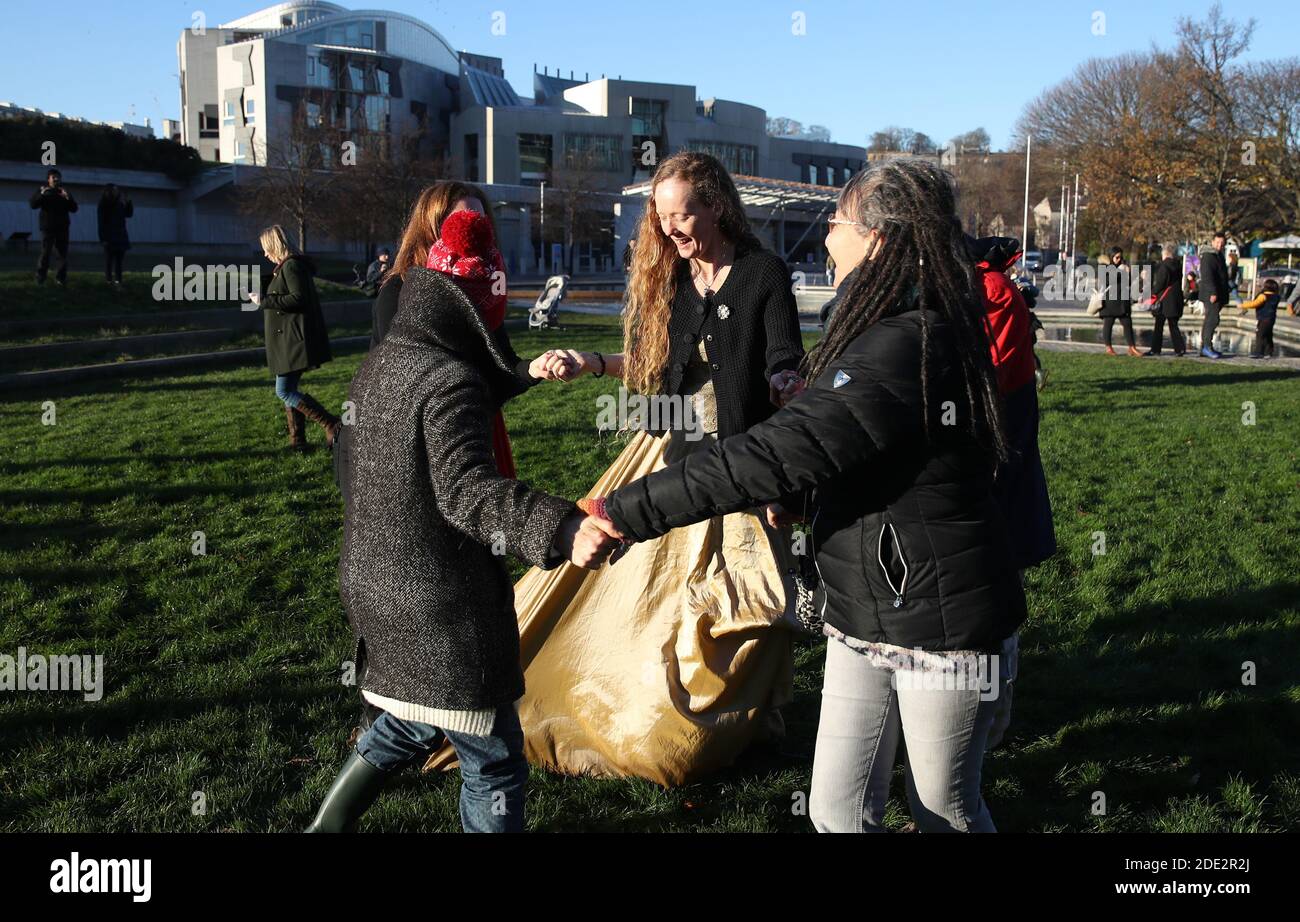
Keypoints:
pixel 898 433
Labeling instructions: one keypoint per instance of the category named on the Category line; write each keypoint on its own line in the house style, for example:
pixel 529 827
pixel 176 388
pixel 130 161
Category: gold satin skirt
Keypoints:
pixel 664 665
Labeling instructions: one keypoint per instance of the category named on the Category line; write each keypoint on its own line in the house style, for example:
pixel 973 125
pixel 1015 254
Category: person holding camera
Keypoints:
pixel 114 209
pixel 55 204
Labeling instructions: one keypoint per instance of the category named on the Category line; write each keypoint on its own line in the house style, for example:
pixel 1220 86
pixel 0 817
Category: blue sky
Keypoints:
pixel 937 67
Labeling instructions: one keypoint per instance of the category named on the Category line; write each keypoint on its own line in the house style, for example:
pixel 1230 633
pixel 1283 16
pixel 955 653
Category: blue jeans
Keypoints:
pixel 493 768
pixel 286 388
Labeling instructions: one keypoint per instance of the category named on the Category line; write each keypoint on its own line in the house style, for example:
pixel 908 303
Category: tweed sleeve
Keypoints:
pixel 469 491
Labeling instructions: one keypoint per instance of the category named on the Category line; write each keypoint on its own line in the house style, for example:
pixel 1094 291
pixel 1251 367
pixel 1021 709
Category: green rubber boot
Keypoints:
pixel 353 791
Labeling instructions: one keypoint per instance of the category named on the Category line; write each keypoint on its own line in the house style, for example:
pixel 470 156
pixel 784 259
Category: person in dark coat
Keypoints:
pixel 114 209
pixel 428 519
pixel 1166 288
pixel 898 432
pixel 1214 293
pixel 56 204
pixel 1265 305
pixel 296 338
pixel 1116 280
pixel 1021 484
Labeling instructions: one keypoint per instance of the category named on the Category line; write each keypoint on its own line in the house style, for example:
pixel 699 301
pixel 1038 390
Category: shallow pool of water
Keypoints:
pixel 1230 341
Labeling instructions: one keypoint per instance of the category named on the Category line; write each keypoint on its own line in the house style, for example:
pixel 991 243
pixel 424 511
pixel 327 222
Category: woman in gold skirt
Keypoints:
pixel 668 664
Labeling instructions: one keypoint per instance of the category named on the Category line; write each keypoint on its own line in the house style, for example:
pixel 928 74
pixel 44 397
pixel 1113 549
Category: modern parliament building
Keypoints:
pixel 244 82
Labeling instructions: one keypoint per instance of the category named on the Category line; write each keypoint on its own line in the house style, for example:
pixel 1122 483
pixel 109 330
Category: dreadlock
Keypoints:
pixel 923 259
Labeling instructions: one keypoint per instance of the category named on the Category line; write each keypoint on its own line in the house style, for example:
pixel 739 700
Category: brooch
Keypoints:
pixel 723 312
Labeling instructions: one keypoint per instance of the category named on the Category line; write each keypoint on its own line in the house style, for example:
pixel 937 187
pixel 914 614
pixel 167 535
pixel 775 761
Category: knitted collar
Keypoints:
pixel 442 259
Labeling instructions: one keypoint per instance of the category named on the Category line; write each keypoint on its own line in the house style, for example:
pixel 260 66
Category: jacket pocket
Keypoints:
pixel 892 562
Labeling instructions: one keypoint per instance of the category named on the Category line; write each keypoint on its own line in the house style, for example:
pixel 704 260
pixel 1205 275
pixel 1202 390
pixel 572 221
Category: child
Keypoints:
pixel 1265 303
pixel 428 517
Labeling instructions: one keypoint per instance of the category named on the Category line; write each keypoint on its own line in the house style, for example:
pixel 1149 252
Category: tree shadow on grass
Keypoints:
pixel 1232 377
pixel 163 493
pixel 198 457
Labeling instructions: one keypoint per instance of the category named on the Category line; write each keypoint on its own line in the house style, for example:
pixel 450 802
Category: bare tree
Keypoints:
pixel 294 187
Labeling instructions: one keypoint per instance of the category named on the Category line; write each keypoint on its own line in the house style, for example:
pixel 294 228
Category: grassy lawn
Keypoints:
pixel 88 295
pixel 222 670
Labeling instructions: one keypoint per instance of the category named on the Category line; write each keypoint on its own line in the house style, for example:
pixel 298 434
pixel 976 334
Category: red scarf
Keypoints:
pixel 477 276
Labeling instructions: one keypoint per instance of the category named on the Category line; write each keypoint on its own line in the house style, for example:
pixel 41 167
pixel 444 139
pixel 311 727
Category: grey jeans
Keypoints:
pixel 866 710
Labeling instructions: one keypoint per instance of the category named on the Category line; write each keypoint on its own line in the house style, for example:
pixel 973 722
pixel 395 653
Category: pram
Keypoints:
pixel 546 312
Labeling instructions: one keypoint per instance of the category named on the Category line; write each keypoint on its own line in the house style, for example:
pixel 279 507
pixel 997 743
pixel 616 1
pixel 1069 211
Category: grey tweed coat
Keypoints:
pixel 430 602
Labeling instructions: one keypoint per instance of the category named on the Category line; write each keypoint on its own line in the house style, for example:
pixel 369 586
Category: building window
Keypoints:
pixel 647 116
pixel 239 150
pixel 311 68
pixel 248 112
pixel 376 108
pixel 208 122
pixel 737 158
pixel 593 151
pixel 230 113
pixel 383 82
pixel 534 158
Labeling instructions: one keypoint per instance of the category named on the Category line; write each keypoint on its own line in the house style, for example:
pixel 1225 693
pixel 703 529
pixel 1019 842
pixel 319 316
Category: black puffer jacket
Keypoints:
pixel 910 543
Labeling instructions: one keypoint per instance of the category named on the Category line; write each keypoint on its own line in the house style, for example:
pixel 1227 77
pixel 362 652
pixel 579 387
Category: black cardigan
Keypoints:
pixel 385 309
pixel 757 337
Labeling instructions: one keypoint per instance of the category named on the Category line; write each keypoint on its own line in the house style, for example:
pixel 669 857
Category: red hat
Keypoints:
pixel 467 252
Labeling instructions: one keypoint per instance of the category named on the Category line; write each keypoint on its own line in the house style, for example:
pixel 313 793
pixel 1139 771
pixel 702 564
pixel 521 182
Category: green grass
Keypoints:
pixel 223 670
pixel 88 295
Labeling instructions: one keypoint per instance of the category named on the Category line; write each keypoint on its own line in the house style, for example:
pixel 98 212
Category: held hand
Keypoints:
pixel 585 546
pixel 593 544
pixel 556 365
pixel 778 516
pixel 570 364
pixel 784 386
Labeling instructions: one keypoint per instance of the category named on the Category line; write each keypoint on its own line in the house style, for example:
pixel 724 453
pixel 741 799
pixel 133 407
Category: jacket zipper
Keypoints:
pixel 880 559
pixel 820 579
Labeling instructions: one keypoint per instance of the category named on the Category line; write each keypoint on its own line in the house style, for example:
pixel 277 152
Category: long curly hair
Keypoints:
pixel 653 282
pixel 911 202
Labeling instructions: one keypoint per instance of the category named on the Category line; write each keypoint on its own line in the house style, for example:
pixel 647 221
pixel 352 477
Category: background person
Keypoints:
pixel 296 338
pixel 375 271
pixel 1265 306
pixel 114 208
pixel 1167 289
pixel 55 204
pixel 1118 301
pixel 1213 292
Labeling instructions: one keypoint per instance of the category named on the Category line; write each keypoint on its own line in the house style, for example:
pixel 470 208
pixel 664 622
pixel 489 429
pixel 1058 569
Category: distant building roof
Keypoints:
pixel 761 192
pixel 488 89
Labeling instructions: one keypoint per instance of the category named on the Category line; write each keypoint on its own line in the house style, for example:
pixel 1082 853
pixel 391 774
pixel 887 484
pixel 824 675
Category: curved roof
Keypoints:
pixel 407 37
pixel 269 18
